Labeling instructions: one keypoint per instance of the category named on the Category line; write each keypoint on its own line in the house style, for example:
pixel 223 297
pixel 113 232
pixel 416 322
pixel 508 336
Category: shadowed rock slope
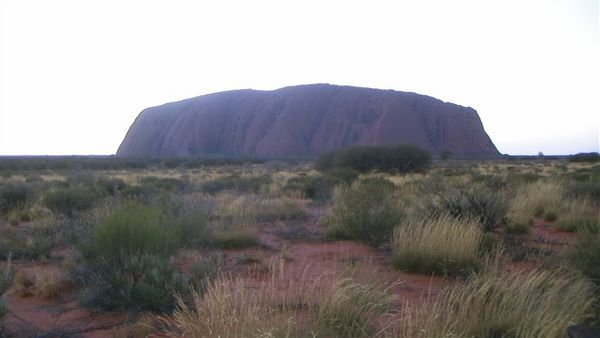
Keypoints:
pixel 304 121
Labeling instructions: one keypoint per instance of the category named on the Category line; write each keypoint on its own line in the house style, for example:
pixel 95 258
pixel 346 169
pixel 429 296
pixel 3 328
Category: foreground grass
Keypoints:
pixel 277 307
pixel 499 303
pixel 438 244
pixel 533 200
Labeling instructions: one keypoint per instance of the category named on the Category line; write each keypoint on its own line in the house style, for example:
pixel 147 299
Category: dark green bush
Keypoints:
pixel 587 189
pixel 110 186
pixel 491 181
pixel 402 158
pixel 584 254
pixel 142 282
pixel 140 192
pixel 365 211
pixel 487 205
pixel 6 276
pixel 41 242
pixel 70 200
pixel 125 259
pixel 125 256
pixel 14 195
pixel 585 157
pixel 236 239
pixel 164 183
pixel 131 230
pixel 191 227
pixel 446 155
pixel 237 183
pixel 347 175
pixel 318 187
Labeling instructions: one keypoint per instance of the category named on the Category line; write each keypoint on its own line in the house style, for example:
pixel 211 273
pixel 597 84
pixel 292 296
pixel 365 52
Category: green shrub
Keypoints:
pixel 347 175
pixel 318 188
pixel 163 183
pixel 142 282
pixel 364 211
pixel 70 200
pixel 584 254
pixel 125 259
pixel 236 183
pixel 494 182
pixel 486 205
pixel 110 186
pixel 236 239
pixel 441 244
pixel 584 190
pixel 40 243
pixel 446 155
pixel 141 192
pixel 6 276
pixel 402 158
pixel 132 230
pixel 191 227
pixel 14 195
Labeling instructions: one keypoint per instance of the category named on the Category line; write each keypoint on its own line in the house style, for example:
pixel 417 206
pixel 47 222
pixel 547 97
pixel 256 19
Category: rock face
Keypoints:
pixel 304 121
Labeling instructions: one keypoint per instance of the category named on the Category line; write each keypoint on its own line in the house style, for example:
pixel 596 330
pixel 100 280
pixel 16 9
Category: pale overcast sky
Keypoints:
pixel 74 74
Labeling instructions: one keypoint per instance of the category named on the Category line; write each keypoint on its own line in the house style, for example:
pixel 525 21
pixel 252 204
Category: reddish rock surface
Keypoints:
pixel 304 121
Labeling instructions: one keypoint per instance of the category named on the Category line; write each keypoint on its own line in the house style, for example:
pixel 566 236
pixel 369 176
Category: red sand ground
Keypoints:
pixel 306 257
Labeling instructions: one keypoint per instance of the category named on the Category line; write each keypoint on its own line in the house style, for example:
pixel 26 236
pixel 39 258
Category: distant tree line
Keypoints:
pixel 585 157
pixel 13 163
pixel 388 158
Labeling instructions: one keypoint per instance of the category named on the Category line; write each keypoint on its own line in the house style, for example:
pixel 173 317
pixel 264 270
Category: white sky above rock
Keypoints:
pixel 74 74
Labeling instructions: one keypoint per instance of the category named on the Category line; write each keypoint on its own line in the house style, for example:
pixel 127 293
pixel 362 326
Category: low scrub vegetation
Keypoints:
pixel 6 275
pixel 364 211
pixel 351 309
pixel 229 308
pixel 585 157
pixel 533 200
pixel 210 244
pixel 500 303
pixel 35 245
pixel 441 245
pixel 399 158
pixel 584 254
pixel 14 195
pixel 273 308
pixel 125 257
pixel 70 200
pixel 315 187
pixel 244 210
pixel 580 223
pixel 488 206
pixel 250 184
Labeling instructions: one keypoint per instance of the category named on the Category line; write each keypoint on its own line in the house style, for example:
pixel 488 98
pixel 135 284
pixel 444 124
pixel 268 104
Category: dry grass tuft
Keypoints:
pixel 439 244
pixel 281 307
pixel 500 303
pixel 534 200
